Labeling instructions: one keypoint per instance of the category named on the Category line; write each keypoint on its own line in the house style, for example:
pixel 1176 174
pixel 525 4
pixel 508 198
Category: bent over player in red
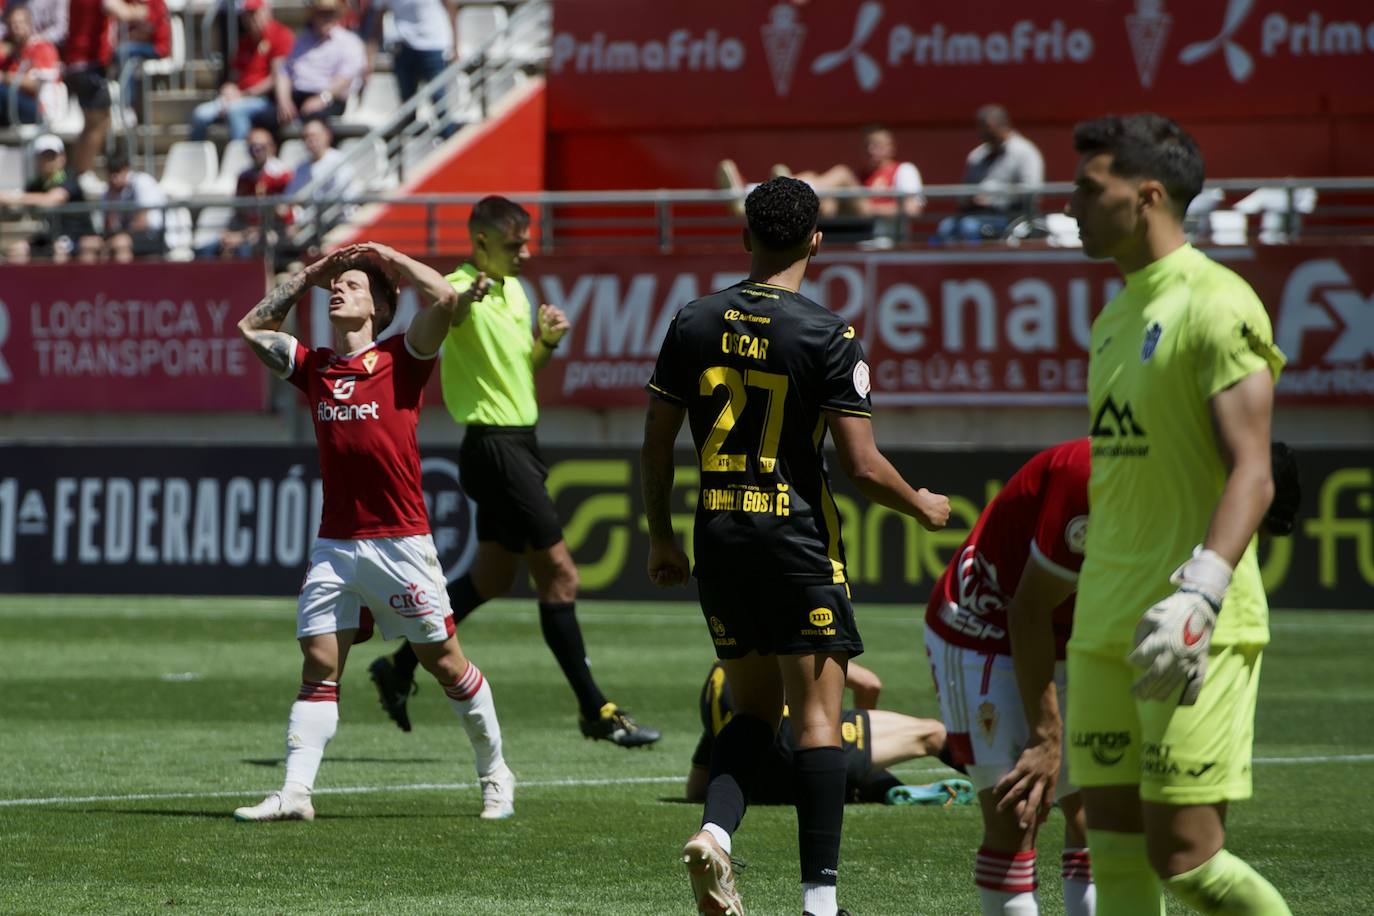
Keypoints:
pixel 374 547
pixel 996 627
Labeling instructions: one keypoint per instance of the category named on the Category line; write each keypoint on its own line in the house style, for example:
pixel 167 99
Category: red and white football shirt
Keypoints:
pixel 1042 513
pixel 365 407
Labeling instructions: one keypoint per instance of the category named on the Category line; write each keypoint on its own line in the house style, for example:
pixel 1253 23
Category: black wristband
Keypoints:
pixel 551 346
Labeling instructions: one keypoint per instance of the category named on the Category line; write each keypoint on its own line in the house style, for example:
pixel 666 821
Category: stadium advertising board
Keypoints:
pixel 1001 327
pixel 650 63
pixel 129 337
pixel 236 521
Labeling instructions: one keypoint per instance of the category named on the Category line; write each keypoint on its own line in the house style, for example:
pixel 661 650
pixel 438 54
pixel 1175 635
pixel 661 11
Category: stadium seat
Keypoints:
pixel 12 168
pixel 190 167
pixel 232 162
pixel 177 230
pixel 376 103
pixel 210 225
pixel 1278 211
pixel 476 24
pixel 175 62
pixel 1227 227
pixel 293 153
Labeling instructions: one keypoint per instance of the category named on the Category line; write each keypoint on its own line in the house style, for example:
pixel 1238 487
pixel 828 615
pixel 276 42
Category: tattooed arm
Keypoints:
pixel 260 326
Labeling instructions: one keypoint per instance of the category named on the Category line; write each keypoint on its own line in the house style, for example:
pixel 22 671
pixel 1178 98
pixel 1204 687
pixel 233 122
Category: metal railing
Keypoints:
pixel 462 93
pixel 1298 211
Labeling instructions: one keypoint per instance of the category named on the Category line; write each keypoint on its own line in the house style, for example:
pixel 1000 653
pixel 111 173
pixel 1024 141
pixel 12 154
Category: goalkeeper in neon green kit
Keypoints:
pixel 1171 616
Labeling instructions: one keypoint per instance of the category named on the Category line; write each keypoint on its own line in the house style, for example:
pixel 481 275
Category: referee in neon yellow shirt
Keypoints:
pixel 1171 618
pixel 487 369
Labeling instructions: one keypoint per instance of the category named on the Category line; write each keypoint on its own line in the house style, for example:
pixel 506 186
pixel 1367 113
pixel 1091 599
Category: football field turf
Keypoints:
pixel 130 728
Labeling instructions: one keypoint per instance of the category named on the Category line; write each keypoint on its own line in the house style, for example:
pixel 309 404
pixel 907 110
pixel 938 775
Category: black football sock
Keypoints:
pixel 820 811
pixel 404 662
pixel 564 637
pixel 735 755
pixel 463 598
pixel 874 788
pixel 946 756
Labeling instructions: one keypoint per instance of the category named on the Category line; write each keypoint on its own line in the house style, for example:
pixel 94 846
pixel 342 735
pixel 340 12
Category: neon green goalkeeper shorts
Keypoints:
pixel 1179 755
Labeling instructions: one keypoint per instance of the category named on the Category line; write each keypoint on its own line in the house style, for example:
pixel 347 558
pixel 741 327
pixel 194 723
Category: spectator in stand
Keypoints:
pixel 65 233
pixel 325 165
pixel 86 55
pixel 1003 159
pixel 266 177
pixel 133 234
pixel 29 70
pixel 883 171
pixel 145 33
pixel 324 68
pixel 49 20
pixel 426 32
pixel 332 181
pixel 262 48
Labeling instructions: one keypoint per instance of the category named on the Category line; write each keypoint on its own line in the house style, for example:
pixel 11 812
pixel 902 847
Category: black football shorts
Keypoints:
pixel 774 616
pixel 503 472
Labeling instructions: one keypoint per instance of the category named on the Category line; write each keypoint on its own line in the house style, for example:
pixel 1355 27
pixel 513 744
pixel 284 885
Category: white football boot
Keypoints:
pixel 276 807
pixel 498 795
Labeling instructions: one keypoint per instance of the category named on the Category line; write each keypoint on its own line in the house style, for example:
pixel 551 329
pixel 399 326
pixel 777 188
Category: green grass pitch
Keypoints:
pixel 133 727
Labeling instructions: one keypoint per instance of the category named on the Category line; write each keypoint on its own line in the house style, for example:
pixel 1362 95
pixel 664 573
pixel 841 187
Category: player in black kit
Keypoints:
pixel 761 372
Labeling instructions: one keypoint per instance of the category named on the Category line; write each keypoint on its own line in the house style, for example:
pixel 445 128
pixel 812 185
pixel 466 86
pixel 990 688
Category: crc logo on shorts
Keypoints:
pixel 1107 747
pixel 718 631
pixel 821 619
pixel 987 720
pixel 413 602
pixel 452 516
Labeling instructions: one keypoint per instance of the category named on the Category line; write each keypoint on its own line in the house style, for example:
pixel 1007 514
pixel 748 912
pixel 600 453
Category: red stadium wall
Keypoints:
pixel 504 154
pixel 656 94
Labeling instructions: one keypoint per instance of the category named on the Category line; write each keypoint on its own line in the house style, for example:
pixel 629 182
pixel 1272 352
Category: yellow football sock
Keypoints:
pixel 1225 884
pixel 1126 885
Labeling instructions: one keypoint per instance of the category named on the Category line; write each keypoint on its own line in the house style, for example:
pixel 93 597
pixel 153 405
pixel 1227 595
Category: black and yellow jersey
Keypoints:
pixel 757 366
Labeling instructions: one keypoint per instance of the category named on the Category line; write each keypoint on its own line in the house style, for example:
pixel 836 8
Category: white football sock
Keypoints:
pixel 471 700
pixel 819 899
pixel 1080 894
pixel 718 834
pixel 313 721
pixel 1006 883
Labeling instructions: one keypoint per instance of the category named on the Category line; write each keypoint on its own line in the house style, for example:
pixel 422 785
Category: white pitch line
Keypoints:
pixel 533 784
pixel 338 790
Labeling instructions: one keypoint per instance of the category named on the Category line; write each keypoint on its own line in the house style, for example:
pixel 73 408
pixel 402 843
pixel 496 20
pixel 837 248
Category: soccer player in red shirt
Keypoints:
pixel 374 547
pixel 996 627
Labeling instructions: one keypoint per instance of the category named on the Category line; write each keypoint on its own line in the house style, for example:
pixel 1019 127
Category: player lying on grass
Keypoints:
pixel 873 740
pixel 374 546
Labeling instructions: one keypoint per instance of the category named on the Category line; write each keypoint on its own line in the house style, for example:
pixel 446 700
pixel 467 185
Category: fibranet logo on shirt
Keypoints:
pixel 326 412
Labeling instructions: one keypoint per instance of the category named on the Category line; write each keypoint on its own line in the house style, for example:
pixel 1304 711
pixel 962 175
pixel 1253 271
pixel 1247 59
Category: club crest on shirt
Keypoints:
pixel 1147 349
pixel 987 719
pixel 370 360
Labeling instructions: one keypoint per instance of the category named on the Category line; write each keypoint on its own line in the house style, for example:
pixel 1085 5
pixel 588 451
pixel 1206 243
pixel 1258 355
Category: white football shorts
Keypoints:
pixel 398 579
pixel 980 703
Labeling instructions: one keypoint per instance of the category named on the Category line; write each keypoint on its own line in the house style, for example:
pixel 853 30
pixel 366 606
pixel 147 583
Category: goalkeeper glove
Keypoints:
pixel 1172 638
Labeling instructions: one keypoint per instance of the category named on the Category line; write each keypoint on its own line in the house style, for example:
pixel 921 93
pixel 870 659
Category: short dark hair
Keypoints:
pixel 496 212
pixel 384 293
pixel 1147 146
pixel 782 213
pixel 117 163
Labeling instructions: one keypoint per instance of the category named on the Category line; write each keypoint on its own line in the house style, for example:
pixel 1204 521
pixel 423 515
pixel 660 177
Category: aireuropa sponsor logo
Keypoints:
pixel 1107 748
pixel 681 50
pixel 1310 36
pixel 874 49
pixel 1326 324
